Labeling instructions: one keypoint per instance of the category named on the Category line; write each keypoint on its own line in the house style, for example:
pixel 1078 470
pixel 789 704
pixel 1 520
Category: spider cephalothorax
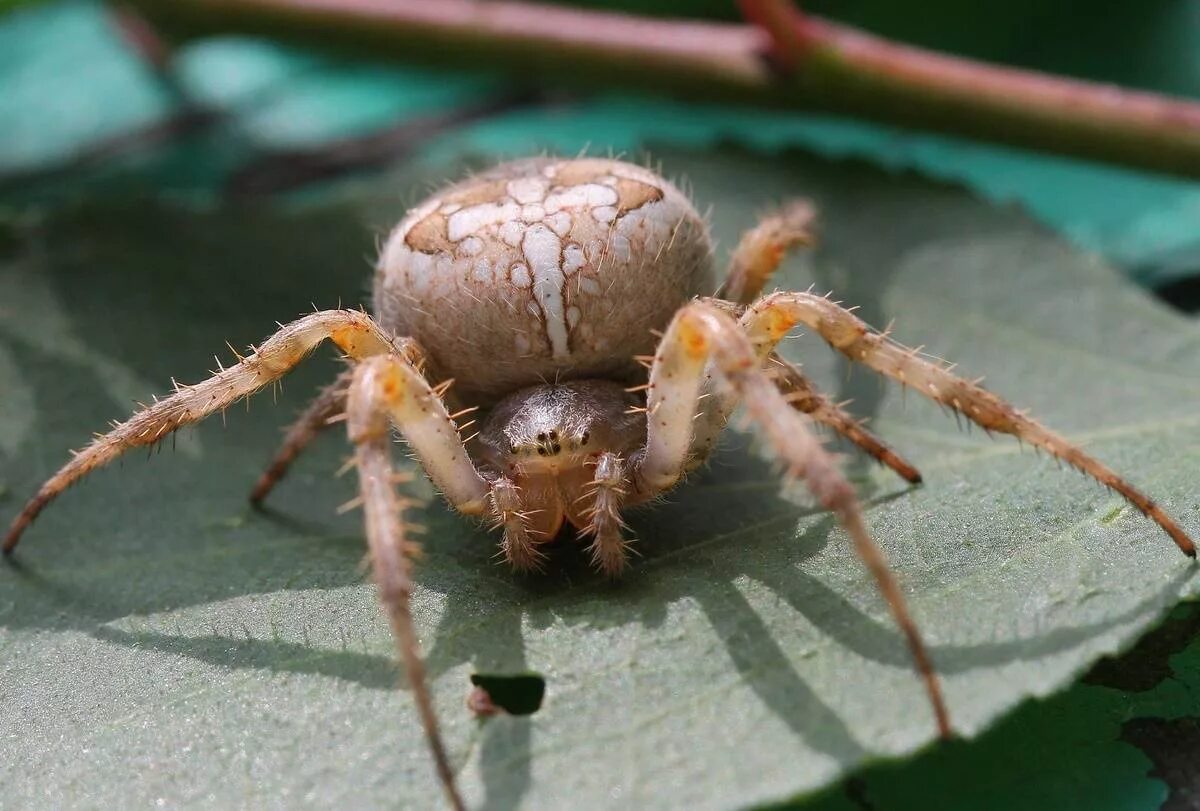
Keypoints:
pixel 556 428
pixel 549 440
pixel 591 273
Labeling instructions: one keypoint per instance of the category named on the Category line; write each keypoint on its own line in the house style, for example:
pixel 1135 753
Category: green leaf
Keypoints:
pixel 1124 737
pixel 69 81
pixel 161 640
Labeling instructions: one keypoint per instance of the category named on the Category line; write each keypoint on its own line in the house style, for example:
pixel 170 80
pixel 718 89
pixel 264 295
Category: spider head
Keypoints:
pixel 557 427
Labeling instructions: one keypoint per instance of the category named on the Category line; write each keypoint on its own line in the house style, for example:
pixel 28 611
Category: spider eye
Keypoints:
pixel 541 451
pixel 513 448
pixel 583 440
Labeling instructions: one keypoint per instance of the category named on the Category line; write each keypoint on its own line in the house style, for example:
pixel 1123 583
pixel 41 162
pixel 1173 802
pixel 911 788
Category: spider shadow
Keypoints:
pixel 673 567
pixel 568 593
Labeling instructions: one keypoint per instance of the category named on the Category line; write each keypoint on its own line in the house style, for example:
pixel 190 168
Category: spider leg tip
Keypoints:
pixel 10 542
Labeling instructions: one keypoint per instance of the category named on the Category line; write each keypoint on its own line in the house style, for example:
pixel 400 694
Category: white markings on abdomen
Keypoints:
pixel 543 253
pixel 469 220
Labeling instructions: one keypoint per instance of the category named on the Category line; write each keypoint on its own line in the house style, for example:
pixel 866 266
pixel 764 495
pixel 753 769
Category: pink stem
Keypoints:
pixel 833 68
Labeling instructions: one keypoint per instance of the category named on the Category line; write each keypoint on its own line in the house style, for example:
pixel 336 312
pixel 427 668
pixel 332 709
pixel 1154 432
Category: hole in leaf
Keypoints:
pixel 519 694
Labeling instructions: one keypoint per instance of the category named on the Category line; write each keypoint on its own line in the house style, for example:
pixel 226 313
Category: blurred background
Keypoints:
pixel 97 110
pixel 90 106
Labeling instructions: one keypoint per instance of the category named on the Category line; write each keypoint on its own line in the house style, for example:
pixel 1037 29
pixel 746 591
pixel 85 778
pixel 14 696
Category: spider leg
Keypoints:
pixel 762 248
pixel 508 514
pixel 431 433
pixel 610 550
pixel 804 396
pixel 756 257
pixel 377 390
pixel 769 319
pixel 329 403
pixel 700 331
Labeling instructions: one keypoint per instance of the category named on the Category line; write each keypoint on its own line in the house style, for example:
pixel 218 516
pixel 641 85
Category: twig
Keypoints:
pixel 779 20
pixel 833 68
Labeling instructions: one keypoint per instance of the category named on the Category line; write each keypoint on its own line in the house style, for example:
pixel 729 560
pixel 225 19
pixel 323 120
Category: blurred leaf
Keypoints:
pixel 162 641
pixel 284 98
pixel 75 84
pixel 68 81
pixel 7 6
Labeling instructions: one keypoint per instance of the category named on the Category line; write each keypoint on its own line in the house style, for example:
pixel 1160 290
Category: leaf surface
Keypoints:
pixel 160 640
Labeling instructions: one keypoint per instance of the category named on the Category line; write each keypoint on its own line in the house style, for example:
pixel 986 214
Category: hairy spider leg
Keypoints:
pixel 773 316
pixel 804 396
pixel 701 331
pixel 322 411
pixel 604 498
pixel 353 331
pixel 757 256
pixel 384 387
pixel 761 249
pixel 434 438
pixel 329 403
pixel 509 515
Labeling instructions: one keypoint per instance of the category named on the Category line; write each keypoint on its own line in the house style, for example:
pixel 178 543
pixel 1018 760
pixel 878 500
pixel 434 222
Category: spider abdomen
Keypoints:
pixel 540 269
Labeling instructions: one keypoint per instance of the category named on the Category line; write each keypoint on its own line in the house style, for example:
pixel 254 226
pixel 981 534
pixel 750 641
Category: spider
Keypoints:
pixel 599 275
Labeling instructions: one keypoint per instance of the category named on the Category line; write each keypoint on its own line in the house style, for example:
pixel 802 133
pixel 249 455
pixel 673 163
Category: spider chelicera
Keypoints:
pixel 598 275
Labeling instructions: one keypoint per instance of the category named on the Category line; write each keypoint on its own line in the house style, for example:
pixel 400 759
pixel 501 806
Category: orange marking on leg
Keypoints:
pixel 344 337
pixel 778 323
pixel 693 339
